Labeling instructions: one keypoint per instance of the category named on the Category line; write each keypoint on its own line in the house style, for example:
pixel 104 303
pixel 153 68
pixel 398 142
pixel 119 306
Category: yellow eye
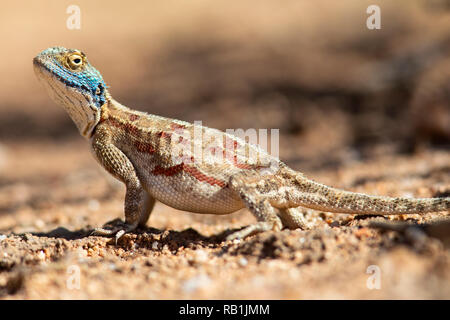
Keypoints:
pixel 75 61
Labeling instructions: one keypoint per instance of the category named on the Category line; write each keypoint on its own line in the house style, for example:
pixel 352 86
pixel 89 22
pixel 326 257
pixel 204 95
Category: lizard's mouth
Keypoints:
pixel 38 68
pixel 36 61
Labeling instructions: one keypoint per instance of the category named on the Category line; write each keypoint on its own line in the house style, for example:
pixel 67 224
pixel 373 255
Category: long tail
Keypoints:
pixel 321 197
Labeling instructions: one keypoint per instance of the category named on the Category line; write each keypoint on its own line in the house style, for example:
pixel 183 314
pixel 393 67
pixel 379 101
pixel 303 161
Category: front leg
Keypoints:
pixel 138 203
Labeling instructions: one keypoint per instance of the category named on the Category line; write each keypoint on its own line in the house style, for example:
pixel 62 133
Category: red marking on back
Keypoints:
pixel 163 134
pixel 175 126
pixel 213 150
pixel 134 117
pixel 170 171
pixel 131 129
pixel 144 147
pixel 193 171
pixel 115 123
pixel 127 127
pixel 231 156
pixel 245 166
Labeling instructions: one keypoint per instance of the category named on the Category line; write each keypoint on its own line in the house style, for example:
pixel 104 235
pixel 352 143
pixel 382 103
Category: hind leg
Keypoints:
pixel 267 215
pixel 271 199
pixel 267 220
pixel 293 218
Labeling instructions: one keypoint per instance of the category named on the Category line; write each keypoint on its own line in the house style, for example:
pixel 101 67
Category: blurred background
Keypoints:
pixel 336 90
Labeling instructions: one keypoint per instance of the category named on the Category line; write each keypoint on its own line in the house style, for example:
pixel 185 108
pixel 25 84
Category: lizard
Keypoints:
pixel 152 155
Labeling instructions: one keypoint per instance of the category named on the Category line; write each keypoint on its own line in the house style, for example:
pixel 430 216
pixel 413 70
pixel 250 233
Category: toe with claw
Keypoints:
pixel 117 231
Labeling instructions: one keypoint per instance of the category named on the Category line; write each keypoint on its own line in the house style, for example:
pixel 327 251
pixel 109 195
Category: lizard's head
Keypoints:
pixel 73 83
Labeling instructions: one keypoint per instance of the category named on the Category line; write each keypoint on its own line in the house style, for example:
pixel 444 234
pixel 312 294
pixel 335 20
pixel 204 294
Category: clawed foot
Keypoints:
pixel 117 231
pixel 252 229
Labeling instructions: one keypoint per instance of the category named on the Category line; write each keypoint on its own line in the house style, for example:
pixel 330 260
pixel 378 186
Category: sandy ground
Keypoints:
pixel 50 204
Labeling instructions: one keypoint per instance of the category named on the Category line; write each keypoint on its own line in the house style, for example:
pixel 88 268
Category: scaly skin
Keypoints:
pixel 213 173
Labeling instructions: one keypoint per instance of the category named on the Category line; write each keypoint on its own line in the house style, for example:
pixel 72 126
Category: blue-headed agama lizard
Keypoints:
pixel 143 151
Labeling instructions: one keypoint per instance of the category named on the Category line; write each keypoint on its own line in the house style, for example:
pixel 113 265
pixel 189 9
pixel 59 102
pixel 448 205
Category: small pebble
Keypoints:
pixel 41 255
pixel 93 205
pixel 39 224
pixel 200 256
pixel 112 266
pixel 197 282
pixel 243 262
pixel 81 253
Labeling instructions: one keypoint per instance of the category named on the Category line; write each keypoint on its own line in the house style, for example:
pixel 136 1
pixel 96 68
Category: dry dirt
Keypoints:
pixel 50 204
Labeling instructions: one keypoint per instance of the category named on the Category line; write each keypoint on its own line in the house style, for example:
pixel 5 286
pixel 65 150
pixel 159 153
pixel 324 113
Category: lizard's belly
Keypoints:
pixel 190 190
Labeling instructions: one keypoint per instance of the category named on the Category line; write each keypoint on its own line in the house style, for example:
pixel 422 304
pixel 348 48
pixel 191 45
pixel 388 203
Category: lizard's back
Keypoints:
pixel 183 165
